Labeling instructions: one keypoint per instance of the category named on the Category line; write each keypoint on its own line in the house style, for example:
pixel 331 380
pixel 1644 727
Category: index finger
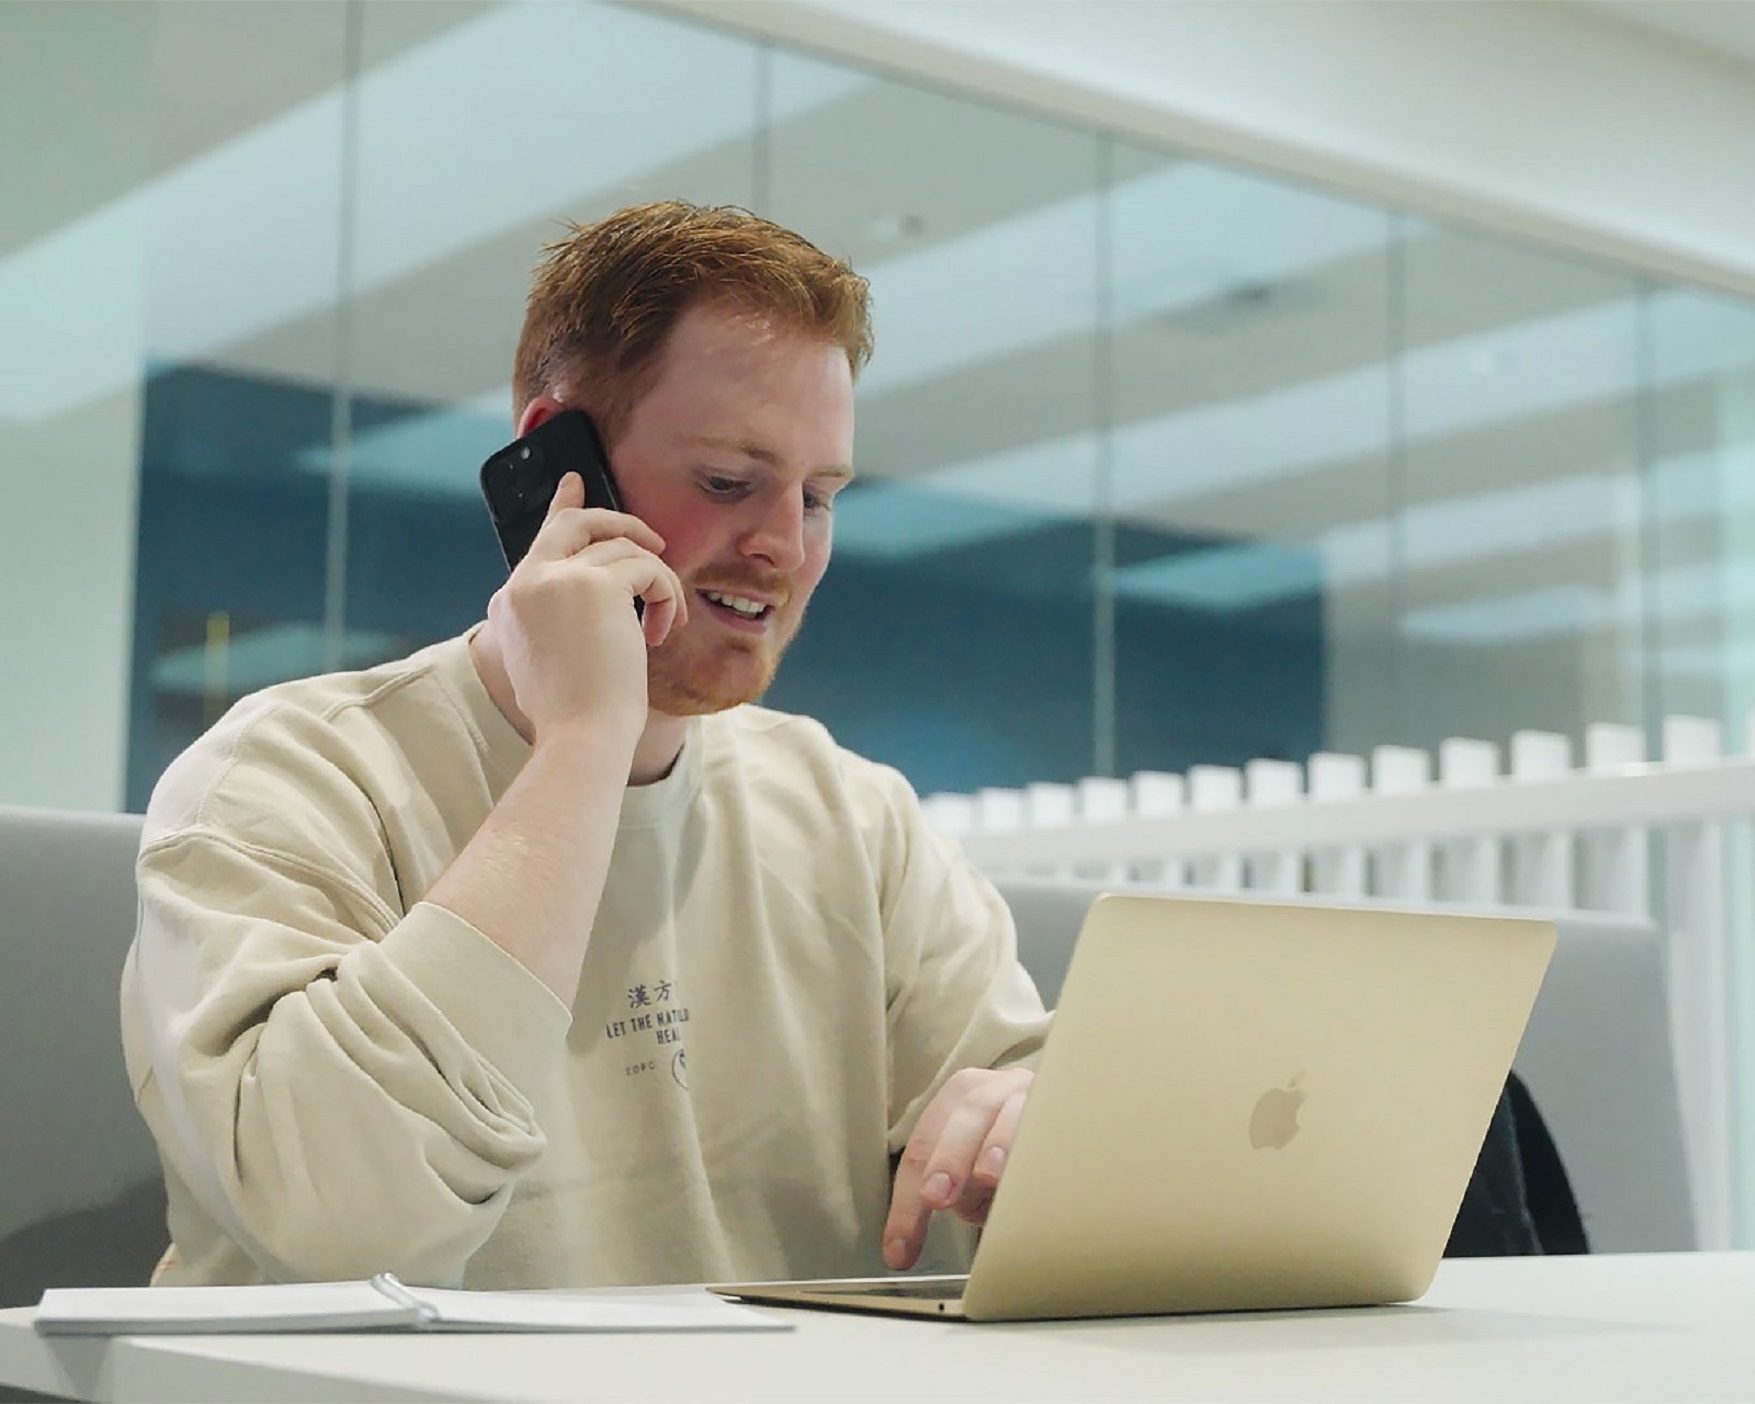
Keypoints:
pixel 922 1159
pixel 905 1228
pixel 569 527
pixel 569 492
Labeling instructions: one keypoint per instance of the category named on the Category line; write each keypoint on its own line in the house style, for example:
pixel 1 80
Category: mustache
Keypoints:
pixel 768 584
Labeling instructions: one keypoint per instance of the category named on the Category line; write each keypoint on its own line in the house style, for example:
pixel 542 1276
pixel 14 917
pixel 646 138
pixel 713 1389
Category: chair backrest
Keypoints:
pixel 1596 1057
pixel 1599 1063
pixel 81 1189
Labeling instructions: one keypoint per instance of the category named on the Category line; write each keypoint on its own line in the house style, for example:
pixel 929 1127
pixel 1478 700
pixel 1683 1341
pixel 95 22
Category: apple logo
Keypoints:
pixel 1275 1120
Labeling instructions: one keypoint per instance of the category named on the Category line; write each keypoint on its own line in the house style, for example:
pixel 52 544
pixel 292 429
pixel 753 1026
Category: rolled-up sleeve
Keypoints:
pixel 343 1088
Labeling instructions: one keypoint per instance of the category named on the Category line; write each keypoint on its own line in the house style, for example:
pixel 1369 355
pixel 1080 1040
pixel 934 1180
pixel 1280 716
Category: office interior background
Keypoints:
pixel 1168 455
pixel 1164 459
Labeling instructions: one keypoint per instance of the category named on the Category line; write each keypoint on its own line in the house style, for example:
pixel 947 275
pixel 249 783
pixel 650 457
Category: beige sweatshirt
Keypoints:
pixel 344 1079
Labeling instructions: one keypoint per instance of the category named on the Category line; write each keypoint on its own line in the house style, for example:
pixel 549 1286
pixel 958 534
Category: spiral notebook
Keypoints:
pixel 381 1303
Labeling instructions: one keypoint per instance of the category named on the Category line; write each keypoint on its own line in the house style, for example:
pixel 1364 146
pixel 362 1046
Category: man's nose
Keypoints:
pixel 776 537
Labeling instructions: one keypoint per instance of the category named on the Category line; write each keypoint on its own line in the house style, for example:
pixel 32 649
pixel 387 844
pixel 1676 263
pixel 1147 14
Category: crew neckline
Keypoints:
pixel 645 805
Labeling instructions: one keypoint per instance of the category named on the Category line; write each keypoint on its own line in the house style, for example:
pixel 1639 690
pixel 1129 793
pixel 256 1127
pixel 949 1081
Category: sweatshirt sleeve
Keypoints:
pixel 958 998
pixel 343 1087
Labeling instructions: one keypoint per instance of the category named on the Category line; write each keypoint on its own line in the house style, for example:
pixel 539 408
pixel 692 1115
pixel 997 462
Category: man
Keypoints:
pixel 541 958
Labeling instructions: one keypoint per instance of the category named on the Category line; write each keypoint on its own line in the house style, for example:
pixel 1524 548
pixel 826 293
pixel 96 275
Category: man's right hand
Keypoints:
pixel 573 653
pixel 573 650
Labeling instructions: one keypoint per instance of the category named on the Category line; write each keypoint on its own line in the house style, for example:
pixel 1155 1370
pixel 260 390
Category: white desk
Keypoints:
pixel 1659 1327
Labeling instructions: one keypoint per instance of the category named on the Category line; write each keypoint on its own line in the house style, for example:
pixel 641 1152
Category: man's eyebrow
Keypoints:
pixel 765 455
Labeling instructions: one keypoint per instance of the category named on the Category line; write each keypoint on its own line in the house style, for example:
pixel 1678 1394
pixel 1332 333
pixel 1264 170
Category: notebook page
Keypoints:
pixel 293 1306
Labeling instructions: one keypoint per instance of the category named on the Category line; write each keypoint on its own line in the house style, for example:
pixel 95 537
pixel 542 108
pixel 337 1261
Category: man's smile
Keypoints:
pixel 747 610
pixel 741 604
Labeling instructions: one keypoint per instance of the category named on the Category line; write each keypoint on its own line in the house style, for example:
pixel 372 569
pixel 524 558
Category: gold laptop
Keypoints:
pixel 1242 1105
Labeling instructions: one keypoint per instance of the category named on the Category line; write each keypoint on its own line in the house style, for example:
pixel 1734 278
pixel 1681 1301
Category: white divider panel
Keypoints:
pixel 1404 870
pixel 1469 869
pixel 1047 803
pixel 1694 879
pixel 1216 789
pixel 1542 869
pixel 1153 794
pixel 1103 799
pixel 1617 861
pixel 999 811
pixel 950 813
pixel 1272 784
pixel 1339 872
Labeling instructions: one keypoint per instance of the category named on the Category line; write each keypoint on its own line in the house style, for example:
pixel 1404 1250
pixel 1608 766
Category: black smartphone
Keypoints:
pixel 519 481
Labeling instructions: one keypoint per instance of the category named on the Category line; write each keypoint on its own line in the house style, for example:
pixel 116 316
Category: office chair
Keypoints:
pixel 81 1192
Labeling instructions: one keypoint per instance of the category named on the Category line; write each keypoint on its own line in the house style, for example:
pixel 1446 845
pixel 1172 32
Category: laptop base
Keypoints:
pixel 936 1296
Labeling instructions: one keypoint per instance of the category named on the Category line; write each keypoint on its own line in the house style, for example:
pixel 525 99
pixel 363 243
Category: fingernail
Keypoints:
pixel 994 1160
pixel 938 1188
pixel 894 1251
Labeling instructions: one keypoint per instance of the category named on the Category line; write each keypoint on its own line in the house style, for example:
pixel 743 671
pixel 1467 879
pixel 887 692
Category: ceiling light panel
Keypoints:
pixel 1183 237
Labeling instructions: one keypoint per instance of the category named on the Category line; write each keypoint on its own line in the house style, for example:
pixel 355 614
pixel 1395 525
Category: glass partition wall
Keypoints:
pixel 1162 461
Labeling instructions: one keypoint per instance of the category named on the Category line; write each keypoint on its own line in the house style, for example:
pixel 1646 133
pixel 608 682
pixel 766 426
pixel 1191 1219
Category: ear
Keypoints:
pixel 543 407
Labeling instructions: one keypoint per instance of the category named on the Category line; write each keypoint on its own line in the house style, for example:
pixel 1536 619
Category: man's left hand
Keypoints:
pixel 955 1157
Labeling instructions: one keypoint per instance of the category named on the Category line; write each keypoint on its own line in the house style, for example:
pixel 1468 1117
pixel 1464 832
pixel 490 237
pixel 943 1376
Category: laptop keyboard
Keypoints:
pixel 922 1291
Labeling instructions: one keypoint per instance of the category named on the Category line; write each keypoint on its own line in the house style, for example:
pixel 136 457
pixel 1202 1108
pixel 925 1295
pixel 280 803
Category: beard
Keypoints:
pixel 702 669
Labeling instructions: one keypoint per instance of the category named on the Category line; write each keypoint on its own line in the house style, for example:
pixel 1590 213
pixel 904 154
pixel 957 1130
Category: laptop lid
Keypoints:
pixel 1596 1055
pixel 1247 1104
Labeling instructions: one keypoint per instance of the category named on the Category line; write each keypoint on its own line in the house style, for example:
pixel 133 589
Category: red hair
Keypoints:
pixel 603 300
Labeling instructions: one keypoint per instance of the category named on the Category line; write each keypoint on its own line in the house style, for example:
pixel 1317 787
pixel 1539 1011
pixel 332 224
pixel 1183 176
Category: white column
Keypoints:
pixel 1404 870
pixel 1694 879
pixel 1270 784
pixel 1216 789
pixel 950 813
pixel 999 811
pixel 1469 869
pixel 1736 425
pixel 1102 799
pixel 1617 870
pixel 1152 794
pixel 1542 869
pixel 1048 805
pixel 1337 871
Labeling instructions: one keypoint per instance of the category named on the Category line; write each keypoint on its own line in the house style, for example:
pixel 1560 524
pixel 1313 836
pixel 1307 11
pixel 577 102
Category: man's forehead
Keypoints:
pixel 729 325
pixel 726 336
